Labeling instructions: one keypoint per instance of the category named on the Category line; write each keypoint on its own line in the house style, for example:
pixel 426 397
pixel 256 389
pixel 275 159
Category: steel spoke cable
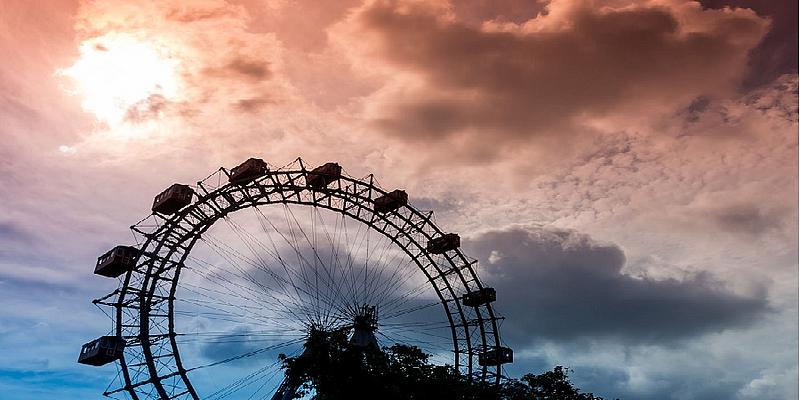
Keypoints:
pixel 262 219
pixel 274 252
pixel 228 256
pixel 296 244
pixel 345 268
pixel 248 354
pixel 239 233
pixel 388 295
pixel 323 318
pixel 278 280
pixel 228 341
pixel 351 264
pixel 378 272
pixel 301 258
pixel 217 301
pixel 379 279
pixel 227 313
pixel 241 337
pixel 264 290
pixel 393 283
pixel 267 320
pixel 333 251
pixel 232 293
pixel 336 285
pixel 260 263
pixel 384 283
pixel 404 298
pixel 408 339
pixel 408 271
pixel 236 385
pixel 251 379
pixel 212 306
pixel 420 332
pixel 255 263
pixel 314 249
pixel 413 309
pixel 286 309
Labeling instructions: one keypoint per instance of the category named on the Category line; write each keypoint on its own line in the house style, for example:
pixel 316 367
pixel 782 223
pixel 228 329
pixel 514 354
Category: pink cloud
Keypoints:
pixel 486 90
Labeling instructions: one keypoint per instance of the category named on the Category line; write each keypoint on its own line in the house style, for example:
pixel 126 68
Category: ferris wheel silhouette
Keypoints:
pixel 227 273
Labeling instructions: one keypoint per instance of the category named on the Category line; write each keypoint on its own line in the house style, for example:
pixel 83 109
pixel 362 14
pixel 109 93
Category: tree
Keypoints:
pixel 551 385
pixel 331 368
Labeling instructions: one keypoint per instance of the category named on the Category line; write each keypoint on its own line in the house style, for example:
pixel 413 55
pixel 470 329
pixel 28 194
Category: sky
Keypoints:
pixel 624 171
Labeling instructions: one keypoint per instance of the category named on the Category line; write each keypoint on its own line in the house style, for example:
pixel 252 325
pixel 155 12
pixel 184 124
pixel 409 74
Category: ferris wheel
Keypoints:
pixel 229 273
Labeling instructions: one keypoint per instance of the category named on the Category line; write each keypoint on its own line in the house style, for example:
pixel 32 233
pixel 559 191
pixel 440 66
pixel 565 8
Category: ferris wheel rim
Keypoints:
pixel 486 324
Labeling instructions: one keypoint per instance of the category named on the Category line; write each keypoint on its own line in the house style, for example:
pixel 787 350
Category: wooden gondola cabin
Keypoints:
pixel 248 171
pixel 102 350
pixel 324 175
pixel 173 199
pixel 496 356
pixel 391 201
pixel 444 243
pixel 116 261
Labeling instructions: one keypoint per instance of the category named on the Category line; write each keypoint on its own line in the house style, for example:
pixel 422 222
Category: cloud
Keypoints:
pixel 749 218
pixel 241 67
pixel 560 285
pixel 690 180
pixel 550 76
pixel 776 54
pixel 256 70
pixel 478 11
pixel 12 233
pixel 239 342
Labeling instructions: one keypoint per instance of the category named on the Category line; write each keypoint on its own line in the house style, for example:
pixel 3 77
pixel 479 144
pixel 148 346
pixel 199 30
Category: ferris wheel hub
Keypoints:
pixel 365 323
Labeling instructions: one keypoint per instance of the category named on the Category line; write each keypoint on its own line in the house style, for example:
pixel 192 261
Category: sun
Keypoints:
pixel 117 73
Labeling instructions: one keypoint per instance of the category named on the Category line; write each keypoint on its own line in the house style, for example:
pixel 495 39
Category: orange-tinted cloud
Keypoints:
pixel 504 84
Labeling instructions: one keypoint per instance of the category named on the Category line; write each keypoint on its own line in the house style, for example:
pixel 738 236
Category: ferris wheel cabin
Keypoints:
pixel 116 261
pixel 171 200
pixel 324 175
pixel 102 350
pixel 479 297
pixel 496 356
pixel 443 244
pixel 391 201
pixel 248 171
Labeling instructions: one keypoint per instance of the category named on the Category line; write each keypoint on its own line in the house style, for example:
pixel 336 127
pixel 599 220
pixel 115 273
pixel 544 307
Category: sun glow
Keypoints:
pixel 118 75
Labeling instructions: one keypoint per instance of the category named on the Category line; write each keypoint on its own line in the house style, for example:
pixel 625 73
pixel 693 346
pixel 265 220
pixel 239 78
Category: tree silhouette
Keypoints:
pixel 330 368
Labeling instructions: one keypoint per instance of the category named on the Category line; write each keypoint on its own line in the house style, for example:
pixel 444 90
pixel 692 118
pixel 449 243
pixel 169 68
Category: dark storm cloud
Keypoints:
pixel 777 53
pixel 560 285
pixel 520 82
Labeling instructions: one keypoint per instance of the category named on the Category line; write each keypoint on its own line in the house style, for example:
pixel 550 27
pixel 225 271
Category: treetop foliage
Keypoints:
pixel 331 368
